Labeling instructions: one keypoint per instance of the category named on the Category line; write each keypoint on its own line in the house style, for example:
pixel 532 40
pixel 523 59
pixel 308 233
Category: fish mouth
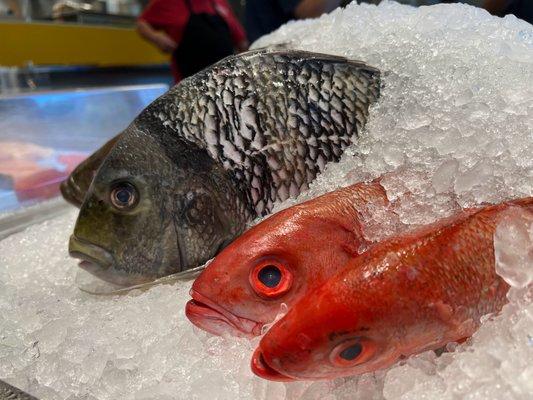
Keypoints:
pixel 210 317
pixel 71 192
pixel 87 251
pixel 99 262
pixel 261 368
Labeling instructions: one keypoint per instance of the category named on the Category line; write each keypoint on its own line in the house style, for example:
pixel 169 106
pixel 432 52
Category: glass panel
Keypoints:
pixel 43 136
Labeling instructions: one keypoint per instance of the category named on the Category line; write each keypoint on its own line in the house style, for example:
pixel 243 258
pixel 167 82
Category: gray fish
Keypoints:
pixel 8 392
pixel 212 154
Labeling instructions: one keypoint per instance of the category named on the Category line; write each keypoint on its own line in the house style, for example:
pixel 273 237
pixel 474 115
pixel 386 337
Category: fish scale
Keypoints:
pixel 327 90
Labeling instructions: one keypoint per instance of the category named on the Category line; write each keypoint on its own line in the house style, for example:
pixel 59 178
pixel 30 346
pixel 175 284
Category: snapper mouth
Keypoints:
pixel 210 317
pixel 261 368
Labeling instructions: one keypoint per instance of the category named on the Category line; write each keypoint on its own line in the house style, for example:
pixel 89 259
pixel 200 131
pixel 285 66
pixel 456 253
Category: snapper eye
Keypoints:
pixel 352 352
pixel 270 279
pixel 124 196
pixel 269 275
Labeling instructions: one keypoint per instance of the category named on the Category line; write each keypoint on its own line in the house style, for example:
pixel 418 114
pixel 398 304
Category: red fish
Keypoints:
pixel 413 292
pixel 281 259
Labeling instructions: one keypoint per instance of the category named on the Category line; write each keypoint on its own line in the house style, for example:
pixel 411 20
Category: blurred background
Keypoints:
pixel 74 73
pixel 86 43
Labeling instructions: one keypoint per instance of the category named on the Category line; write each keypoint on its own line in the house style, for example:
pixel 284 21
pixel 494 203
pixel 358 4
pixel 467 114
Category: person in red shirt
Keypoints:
pixel 197 33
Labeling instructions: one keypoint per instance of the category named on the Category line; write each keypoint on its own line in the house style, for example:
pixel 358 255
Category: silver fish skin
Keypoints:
pixel 213 153
pixel 8 392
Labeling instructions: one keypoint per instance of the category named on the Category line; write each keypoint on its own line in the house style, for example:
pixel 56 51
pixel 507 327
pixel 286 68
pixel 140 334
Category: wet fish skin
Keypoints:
pixel 302 239
pixel 8 392
pixel 75 187
pixel 269 121
pixel 408 294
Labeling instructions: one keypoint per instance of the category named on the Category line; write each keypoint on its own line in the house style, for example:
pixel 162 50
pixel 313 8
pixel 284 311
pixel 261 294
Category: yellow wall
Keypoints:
pixel 72 44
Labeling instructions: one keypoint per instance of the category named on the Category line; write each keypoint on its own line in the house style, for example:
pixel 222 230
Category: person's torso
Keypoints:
pixel 177 13
pixel 205 40
pixel 263 17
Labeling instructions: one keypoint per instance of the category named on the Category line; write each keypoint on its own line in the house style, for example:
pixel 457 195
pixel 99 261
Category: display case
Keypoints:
pixel 44 135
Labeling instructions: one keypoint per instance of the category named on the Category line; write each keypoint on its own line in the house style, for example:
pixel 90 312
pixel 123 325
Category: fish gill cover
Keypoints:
pixel 453 127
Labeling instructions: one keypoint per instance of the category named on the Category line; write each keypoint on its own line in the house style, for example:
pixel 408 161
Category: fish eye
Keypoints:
pixel 352 352
pixel 269 275
pixel 124 196
pixel 270 279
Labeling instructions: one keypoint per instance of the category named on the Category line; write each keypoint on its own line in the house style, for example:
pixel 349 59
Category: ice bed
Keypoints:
pixel 453 123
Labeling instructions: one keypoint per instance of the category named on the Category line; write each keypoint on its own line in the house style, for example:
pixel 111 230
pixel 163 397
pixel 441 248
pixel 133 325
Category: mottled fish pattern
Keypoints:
pixel 274 118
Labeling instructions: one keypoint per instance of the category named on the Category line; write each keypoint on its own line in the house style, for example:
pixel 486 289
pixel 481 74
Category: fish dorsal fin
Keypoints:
pixel 283 49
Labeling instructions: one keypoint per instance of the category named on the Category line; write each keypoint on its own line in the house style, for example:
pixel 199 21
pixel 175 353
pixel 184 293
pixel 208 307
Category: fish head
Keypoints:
pixel 272 264
pixel 157 206
pixel 75 187
pixel 363 319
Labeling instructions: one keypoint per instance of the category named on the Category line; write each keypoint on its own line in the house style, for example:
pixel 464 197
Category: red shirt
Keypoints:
pixel 171 16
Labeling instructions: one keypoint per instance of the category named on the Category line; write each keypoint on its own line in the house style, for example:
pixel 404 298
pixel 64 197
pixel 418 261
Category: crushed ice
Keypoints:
pixel 453 128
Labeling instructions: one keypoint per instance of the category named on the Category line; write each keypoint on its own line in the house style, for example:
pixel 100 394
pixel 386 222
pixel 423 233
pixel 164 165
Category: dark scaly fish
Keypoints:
pixel 215 152
pixel 8 392
pixel 411 293
pixel 77 184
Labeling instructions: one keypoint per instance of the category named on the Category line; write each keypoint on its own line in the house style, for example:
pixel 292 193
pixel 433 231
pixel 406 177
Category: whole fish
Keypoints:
pixel 281 259
pixel 75 187
pixel 213 153
pixel 412 293
pixel 8 392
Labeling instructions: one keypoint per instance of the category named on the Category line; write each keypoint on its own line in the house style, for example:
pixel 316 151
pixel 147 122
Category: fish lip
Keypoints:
pixel 263 370
pixel 87 251
pixel 101 263
pixel 71 192
pixel 201 309
pixel 199 314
